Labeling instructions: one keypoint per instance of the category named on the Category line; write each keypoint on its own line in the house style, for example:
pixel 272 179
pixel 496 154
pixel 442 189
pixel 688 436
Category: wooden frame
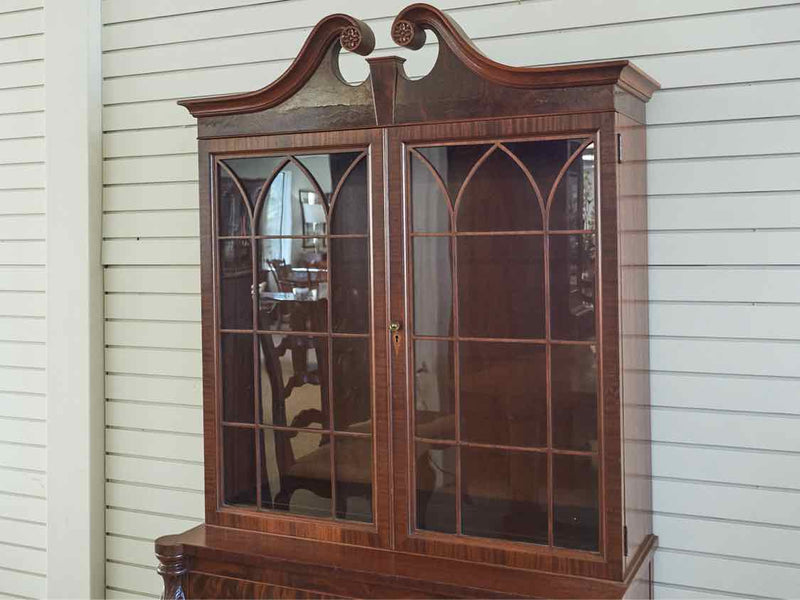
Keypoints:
pixel 466 97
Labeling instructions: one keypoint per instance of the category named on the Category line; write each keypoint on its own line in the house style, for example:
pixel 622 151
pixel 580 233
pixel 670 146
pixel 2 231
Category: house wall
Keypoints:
pixel 724 175
pixel 23 386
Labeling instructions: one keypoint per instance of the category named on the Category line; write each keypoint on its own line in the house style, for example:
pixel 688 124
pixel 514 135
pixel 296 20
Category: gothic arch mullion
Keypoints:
pixel 342 181
pixel 469 177
pixel 530 178
pixel 560 176
pixel 262 193
pixel 313 182
pixel 242 192
pixel 441 185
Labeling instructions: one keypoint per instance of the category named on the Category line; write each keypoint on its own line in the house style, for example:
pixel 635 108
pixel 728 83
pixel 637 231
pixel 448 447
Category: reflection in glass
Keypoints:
pixel 544 159
pixel 354 478
pixel 436 487
pixel 504 494
pixel 298 466
pixel 433 286
pixel 434 394
pixel 239 466
pixel 351 209
pixel 574 396
pixel 351 390
pixel 350 285
pixel 503 393
pixel 328 169
pixel 236 363
pixel 291 201
pixel 501 286
pixel 234 218
pixel 294 380
pixel 236 283
pixel 453 163
pixel 293 286
pixel 576 514
pixel 252 172
pixel 429 207
pixel 572 286
pixel 574 202
pixel 498 197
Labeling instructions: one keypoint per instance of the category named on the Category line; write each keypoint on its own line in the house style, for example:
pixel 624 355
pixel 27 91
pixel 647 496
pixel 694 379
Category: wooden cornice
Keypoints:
pixel 350 33
pixel 408 30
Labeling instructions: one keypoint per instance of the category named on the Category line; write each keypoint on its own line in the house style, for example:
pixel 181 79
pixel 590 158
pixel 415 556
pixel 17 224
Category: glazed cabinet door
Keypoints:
pixel 299 345
pixel 496 248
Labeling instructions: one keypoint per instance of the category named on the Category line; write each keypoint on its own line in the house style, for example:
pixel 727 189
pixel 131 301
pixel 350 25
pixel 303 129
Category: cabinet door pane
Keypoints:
pixel 436 487
pixel 576 515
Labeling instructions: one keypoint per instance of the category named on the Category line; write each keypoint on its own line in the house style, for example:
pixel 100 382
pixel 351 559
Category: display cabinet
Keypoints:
pixel 424 329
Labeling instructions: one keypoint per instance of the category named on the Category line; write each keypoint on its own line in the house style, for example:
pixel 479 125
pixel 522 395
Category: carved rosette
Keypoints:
pixel 173 566
pixel 407 34
pixel 350 38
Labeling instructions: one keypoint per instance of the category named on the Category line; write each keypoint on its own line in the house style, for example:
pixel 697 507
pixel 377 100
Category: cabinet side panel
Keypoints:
pixel 635 383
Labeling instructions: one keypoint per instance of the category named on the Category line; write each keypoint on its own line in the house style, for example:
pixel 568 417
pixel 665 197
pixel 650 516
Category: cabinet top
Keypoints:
pixel 463 84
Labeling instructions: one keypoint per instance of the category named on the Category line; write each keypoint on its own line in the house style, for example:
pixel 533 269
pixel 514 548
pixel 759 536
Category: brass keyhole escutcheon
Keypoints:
pixel 395 327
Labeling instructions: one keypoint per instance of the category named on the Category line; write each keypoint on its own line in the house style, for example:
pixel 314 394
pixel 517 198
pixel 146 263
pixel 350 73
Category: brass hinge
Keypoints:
pixel 625 538
pixel 619 147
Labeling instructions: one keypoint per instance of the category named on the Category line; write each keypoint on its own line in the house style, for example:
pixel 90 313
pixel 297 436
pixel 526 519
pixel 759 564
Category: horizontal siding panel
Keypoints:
pixel 22 431
pixel 163 196
pixel 159 307
pixel 136 579
pixel 726 392
pixel 155 472
pixel 19 49
pixel 154 444
pixel 182 503
pixel 172 279
pixel 21 100
pixel 21 176
pixel 16 202
pixel 23 559
pixel 29 483
pixel 775 507
pixel 150 169
pixel 24 508
pixel 17 252
pixel 162 223
pixel 21 151
pixel 181 363
pixel 23 227
pixel 154 389
pixel 21 303
pixel 22 457
pixel 725 248
pixel 725 211
pixel 22 74
pixel 16 354
pixel 151 252
pixel 22 380
pixel 21 329
pixel 179 419
pixel 776 321
pixel 22 23
pixel 739 577
pixel 114 594
pixel 24 534
pixel 726 465
pixel 144 526
pixel 23 406
pixel 29 124
pixel 138 552
pixel 165 113
pixel 746 284
pixel 158 335
pixel 182 140
pixel 27 585
pixel 20 279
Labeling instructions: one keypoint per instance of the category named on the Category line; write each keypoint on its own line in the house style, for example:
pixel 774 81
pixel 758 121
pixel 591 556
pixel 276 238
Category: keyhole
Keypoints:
pixel 396 338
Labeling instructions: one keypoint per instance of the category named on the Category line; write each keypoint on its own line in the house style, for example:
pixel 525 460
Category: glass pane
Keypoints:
pixel 351 390
pixel 354 478
pixel 544 159
pixel 501 286
pixel 351 206
pixel 433 286
pixel 574 400
pixel 434 395
pixel 294 380
pixel 293 206
pixel 239 466
pixel 576 514
pixel 504 494
pixel 574 202
pixel 292 286
pixel 253 172
pixel 328 169
pixel 499 197
pixel 299 472
pixel 429 207
pixel 503 393
pixel 236 283
pixel 350 285
pixel 453 163
pixel 572 287
pixel 234 218
pixel 436 487
pixel 238 375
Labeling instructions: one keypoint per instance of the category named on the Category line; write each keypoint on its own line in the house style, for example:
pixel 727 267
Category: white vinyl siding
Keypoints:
pixel 724 184
pixel 23 503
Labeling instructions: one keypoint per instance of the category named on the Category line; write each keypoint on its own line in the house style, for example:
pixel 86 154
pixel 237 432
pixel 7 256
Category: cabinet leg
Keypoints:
pixel 172 566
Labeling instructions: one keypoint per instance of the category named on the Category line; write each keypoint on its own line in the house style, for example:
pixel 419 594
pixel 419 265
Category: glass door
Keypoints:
pixel 502 359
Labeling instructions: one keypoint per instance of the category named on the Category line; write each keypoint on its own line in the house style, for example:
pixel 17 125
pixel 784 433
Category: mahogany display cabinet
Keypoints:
pixel 424 309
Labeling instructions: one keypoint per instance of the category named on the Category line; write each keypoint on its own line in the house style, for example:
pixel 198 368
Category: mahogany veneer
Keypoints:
pixel 424 329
